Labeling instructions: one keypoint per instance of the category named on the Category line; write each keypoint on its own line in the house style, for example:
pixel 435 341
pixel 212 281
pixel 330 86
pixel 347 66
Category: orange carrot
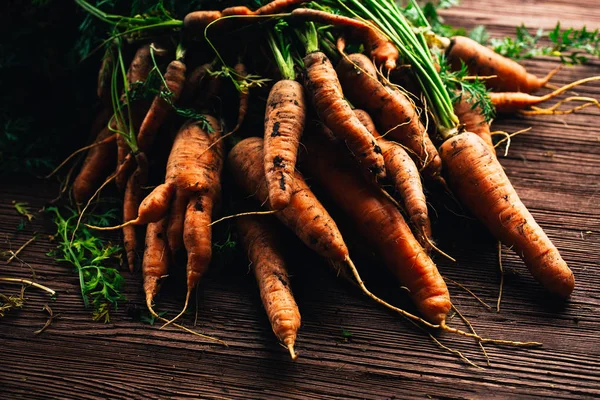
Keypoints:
pixel 483 61
pixel 304 215
pixel 155 264
pixel 260 240
pixel 193 82
pixel 195 22
pixel 381 49
pixel 380 222
pixel 277 6
pixel 131 202
pixel 244 96
pixel 176 221
pixel 284 123
pixel 474 121
pixel 479 181
pixel 326 93
pixel 392 110
pixel 160 108
pixel 237 10
pixel 98 163
pixel 404 175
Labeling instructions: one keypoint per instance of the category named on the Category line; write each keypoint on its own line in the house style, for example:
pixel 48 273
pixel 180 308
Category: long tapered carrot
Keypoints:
pixel 402 172
pixel 326 93
pixel 261 241
pixel 479 181
pixel 380 223
pixel 284 123
pixel 480 60
pixel 131 202
pixel 392 111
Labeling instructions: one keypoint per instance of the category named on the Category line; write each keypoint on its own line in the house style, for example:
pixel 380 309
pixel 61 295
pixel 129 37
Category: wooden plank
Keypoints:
pixel 554 168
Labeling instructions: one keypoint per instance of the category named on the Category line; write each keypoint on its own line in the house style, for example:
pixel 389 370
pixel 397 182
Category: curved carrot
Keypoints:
pixel 326 93
pixel 277 6
pixel 304 215
pixel 479 181
pixel 404 175
pixel 98 163
pixel 160 108
pixel 380 48
pixel 380 223
pixel 392 110
pixel 284 123
pixel 260 240
pixel 483 61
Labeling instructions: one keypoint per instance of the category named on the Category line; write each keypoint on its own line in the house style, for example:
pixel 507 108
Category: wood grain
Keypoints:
pixel 555 170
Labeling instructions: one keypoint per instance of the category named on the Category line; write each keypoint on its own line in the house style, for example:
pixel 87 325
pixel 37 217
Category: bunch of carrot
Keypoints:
pixel 333 113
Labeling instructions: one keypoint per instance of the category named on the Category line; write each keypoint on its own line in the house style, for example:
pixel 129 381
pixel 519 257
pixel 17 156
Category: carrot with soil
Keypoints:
pixel 285 117
pixel 260 240
pixel 325 91
pixel 155 264
pixel 392 111
pixel 479 181
pixel 473 120
pixel 381 223
pixel 404 175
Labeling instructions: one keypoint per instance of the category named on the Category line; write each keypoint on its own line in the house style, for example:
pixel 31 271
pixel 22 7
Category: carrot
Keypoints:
pixel 138 72
pixel 508 102
pixel 191 168
pixel 381 49
pixel 284 123
pixel 324 89
pixel 380 223
pixel 277 6
pixel 195 22
pixel 479 181
pixel 159 110
pixel 155 264
pixel 244 96
pixel 304 215
pixel 403 174
pixel 176 221
pixel 193 82
pixel 237 10
pixel 131 202
pixel 473 121
pixel 483 61
pixel 392 110
pixel 96 167
pixel 260 240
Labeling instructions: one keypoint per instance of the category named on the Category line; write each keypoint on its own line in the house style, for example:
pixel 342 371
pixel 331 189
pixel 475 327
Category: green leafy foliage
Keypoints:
pixel 430 11
pixel 570 45
pixel 474 89
pixel 100 283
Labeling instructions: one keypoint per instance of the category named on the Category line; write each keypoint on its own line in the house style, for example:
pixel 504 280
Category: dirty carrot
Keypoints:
pixel 479 181
pixel 403 173
pixel 380 222
pixel 285 117
pixel 176 221
pixel 325 91
pixel 393 112
pixel 155 264
pixel 131 202
pixel 260 240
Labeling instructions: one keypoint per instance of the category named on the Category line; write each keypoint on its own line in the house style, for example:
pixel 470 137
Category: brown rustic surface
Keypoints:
pixel 554 168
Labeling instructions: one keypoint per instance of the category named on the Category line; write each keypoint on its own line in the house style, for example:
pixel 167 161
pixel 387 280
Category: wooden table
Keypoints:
pixel 555 170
